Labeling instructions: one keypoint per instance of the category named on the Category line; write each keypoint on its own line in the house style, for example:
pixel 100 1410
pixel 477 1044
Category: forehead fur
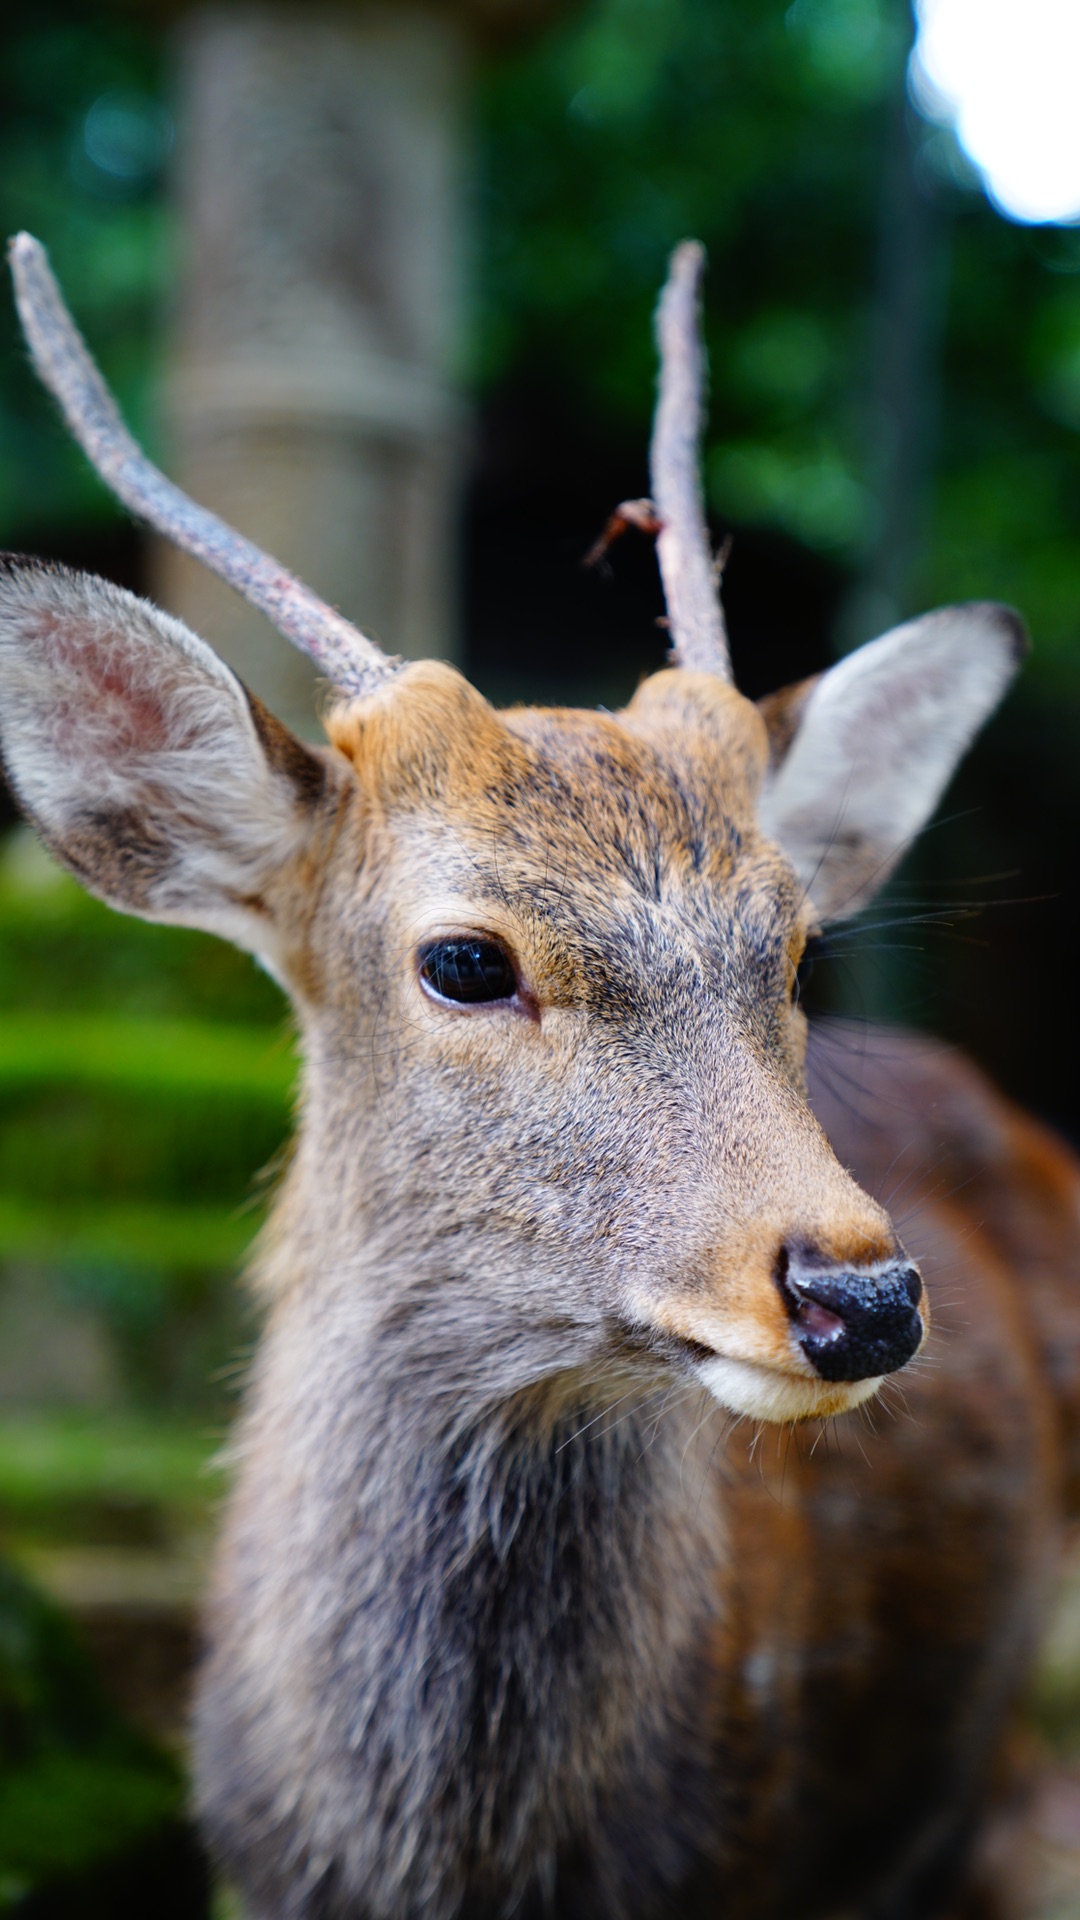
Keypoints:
pixel 619 853
pixel 680 768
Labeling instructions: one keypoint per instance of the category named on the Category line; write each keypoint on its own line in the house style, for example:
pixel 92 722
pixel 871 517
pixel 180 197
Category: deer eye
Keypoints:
pixel 469 971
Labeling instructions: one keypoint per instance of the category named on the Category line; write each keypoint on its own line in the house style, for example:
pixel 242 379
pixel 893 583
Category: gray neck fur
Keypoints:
pixel 488 1630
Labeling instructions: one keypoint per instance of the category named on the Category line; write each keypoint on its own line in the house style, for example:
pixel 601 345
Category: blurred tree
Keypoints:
pixel 84 138
pixel 774 133
pixel 767 130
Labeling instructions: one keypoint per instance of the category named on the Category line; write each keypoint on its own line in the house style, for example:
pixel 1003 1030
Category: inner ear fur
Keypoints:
pixel 782 712
pixel 145 764
pixel 861 755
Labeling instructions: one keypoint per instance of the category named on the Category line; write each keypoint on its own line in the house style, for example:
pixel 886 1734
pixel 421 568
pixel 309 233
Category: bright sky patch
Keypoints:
pixel 1006 75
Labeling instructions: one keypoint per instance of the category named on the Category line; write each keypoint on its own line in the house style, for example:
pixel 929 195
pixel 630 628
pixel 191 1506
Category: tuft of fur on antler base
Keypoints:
pixel 352 662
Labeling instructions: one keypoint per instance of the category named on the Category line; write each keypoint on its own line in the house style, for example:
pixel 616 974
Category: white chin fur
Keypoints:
pixel 765 1394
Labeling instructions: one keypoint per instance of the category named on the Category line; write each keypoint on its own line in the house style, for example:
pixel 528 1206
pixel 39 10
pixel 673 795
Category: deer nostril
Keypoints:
pixel 852 1326
pixel 817 1321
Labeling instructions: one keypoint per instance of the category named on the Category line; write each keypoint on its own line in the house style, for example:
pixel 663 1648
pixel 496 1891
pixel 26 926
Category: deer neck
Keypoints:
pixel 490 1606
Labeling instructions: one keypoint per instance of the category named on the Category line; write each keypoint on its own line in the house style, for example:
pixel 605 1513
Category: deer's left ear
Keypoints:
pixel 862 755
pixel 142 760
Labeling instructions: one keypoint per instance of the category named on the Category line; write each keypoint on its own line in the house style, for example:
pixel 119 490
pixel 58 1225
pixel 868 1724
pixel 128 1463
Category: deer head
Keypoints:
pixel 544 961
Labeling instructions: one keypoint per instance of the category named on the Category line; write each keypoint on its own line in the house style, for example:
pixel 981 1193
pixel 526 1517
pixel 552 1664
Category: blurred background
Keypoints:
pixel 377 284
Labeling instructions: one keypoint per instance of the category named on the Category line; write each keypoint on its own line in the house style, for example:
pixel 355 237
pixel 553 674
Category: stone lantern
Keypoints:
pixel 311 394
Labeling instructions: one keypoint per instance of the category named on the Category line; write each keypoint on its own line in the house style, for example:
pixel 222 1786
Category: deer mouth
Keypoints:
pixel 819 1341
pixel 846 1332
pixel 771 1393
pixel 775 1390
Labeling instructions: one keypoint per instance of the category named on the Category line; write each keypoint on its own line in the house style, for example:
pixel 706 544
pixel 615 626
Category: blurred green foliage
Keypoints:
pixel 762 129
pixel 765 130
pixel 79 1792
pixel 132 1123
pixel 84 135
pixel 116 1477
pixel 642 121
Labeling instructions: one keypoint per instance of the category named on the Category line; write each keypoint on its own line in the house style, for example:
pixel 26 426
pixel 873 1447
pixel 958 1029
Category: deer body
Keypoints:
pixel 508 1619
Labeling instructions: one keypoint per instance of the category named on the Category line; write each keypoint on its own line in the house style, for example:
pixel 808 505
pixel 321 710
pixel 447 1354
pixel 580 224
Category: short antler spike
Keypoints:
pixel 695 616
pixel 346 656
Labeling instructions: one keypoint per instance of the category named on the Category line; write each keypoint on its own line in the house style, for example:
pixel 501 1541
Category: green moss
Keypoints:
pixel 59 948
pixel 77 1787
pixel 131 1146
pixel 142 1482
pixel 74 1147
pixel 142 1056
pixel 121 1457
pixel 147 1238
pixel 67 1811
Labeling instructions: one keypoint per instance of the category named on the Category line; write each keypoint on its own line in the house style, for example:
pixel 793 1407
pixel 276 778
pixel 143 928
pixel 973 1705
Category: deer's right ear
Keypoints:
pixel 143 762
pixel 861 756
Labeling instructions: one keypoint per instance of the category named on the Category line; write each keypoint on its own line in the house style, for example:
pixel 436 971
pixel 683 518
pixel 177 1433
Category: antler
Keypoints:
pixel 687 568
pixel 347 657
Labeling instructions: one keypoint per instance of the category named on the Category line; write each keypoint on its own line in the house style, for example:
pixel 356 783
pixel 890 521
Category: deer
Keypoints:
pixel 515 1611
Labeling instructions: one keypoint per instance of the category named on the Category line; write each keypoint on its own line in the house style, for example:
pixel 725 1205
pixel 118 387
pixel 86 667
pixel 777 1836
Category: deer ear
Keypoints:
pixel 141 759
pixel 862 755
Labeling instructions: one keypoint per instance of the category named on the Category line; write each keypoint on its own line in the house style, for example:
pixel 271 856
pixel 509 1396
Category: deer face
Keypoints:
pixel 554 1031
pixel 569 984
pixel 544 963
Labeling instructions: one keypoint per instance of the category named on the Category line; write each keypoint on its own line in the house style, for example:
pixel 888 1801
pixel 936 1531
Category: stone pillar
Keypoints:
pixel 310 396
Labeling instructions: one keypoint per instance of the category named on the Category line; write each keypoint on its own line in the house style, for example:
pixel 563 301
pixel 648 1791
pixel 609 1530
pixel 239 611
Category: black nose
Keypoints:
pixel 852 1326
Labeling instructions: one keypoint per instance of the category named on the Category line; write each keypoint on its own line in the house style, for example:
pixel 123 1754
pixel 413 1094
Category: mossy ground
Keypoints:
pixel 145 1082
